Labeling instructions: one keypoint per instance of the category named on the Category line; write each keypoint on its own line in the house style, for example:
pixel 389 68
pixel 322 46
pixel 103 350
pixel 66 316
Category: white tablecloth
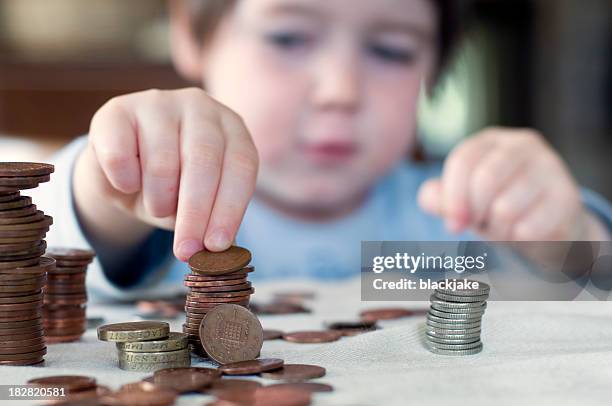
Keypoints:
pixel 544 352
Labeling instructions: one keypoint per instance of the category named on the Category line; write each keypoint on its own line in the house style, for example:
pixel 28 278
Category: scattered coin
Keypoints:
pixel 295 372
pixel 183 380
pixel 312 387
pixel 251 367
pixel 385 314
pixel 312 337
pixel 71 383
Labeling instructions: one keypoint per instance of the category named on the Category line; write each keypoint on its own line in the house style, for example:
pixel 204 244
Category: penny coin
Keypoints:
pixel 24 356
pixel 218 263
pixel 20 324
pixel 39 215
pixel 183 380
pixel 233 275
pixel 25 336
pixel 32 361
pixel 9 249
pixel 7 197
pixel 193 300
pixel 227 282
pixel 8 347
pixel 311 337
pixel 23 182
pixel 133 331
pixel 72 383
pixel 20 212
pixel 267 395
pixel 295 372
pixel 143 396
pixel 18 264
pixel 231 333
pixel 385 314
pixel 223 386
pixel 37 225
pixel 312 387
pixel 214 289
pixel 18 203
pixel 252 366
pixel 196 296
pixel 213 373
pixel 175 341
pixel 70 253
pixel 25 169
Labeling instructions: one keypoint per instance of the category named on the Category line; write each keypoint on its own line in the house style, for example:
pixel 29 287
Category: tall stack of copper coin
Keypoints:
pixel 65 295
pixel 22 268
pixel 216 278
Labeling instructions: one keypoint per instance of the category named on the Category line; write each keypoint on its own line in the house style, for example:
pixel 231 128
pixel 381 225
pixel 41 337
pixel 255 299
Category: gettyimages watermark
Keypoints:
pixel 411 270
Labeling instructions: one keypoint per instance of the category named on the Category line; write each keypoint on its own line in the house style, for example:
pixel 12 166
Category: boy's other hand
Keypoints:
pixel 171 159
pixel 510 185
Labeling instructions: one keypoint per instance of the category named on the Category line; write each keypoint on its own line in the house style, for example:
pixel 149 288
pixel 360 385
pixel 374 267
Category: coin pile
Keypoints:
pixel 65 295
pixel 454 320
pixel 216 278
pixel 22 267
pixel 147 345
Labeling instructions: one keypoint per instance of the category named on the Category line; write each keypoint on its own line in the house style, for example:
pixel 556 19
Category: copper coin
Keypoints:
pixel 221 386
pixel 8 332
pixel 227 282
pixel 219 263
pixel 251 367
pixel 295 372
pixel 21 288
pixel 228 323
pixel 67 278
pixel 19 337
pixel 190 330
pixel 19 202
pixel 272 334
pixel 18 264
pixel 65 270
pixel 352 325
pixel 72 383
pixel 19 257
pixel 32 316
pixel 205 309
pixel 44 265
pixel 233 275
pixel 31 238
pixel 312 337
pixel 24 349
pixel 20 324
pixel 33 361
pixel 312 387
pixel 34 279
pixel 20 181
pixel 10 344
pixel 38 225
pixel 7 197
pixel 184 380
pixel 265 396
pixel 21 212
pixel 39 215
pixel 25 169
pixel 195 296
pixel 71 253
pixel 193 300
pixel 11 248
pixel 68 313
pixel 215 289
pixel 390 313
pixel 151 396
pixel 24 352
pixel 61 323
pixel 278 308
pixel 59 289
pixel 61 263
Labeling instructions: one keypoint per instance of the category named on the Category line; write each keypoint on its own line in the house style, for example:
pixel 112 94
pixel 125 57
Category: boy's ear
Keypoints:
pixel 186 51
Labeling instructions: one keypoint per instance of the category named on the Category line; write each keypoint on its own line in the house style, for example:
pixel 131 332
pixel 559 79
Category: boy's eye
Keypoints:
pixel 392 54
pixel 287 40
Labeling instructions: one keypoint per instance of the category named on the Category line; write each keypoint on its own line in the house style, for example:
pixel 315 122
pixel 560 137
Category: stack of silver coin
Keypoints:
pixel 454 320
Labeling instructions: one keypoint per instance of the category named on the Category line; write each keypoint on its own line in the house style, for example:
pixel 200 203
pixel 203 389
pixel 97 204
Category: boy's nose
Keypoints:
pixel 336 82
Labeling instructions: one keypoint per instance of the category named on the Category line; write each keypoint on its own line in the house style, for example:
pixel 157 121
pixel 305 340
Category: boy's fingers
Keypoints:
pixel 430 197
pixel 236 186
pixel 202 149
pixel 160 163
pixel 547 219
pixel 495 171
pixel 113 138
pixel 456 179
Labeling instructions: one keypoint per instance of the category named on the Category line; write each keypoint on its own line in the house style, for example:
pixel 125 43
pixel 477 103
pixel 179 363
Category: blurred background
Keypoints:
pixel 545 64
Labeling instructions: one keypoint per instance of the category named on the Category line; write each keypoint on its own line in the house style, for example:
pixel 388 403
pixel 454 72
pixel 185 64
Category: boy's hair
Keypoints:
pixel 206 14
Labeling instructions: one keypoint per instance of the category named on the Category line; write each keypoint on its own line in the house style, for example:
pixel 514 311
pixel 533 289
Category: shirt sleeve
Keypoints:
pixel 56 199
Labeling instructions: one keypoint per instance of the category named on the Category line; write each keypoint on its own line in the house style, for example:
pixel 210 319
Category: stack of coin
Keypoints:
pixel 454 320
pixel 216 278
pixel 65 295
pixel 147 346
pixel 22 269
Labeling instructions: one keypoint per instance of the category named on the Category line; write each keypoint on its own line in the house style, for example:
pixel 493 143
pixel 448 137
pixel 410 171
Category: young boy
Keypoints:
pixel 320 98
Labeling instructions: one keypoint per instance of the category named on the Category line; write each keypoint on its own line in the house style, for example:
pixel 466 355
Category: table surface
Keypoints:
pixel 545 352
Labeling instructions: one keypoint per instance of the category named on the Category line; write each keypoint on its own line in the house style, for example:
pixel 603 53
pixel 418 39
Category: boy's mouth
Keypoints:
pixel 329 152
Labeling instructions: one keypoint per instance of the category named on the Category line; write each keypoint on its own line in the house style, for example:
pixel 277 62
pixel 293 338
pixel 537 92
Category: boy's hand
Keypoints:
pixel 171 159
pixel 509 185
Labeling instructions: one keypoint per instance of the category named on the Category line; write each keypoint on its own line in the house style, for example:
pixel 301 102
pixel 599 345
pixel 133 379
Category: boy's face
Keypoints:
pixel 328 89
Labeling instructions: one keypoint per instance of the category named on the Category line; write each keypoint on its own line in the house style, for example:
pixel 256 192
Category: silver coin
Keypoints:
pixel 453 336
pixel 454 347
pixel 453 325
pixel 443 303
pixel 461 299
pixel 433 317
pixel 447 315
pixel 483 289
pixel 452 341
pixel 435 331
pixel 441 351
